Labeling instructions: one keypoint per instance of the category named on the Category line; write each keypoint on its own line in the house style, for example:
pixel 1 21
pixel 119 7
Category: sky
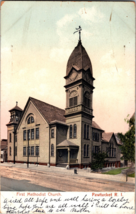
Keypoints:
pixel 37 39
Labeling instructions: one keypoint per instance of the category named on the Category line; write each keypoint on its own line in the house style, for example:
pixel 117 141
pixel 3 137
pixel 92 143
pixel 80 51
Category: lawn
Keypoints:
pixel 114 171
pixel 132 175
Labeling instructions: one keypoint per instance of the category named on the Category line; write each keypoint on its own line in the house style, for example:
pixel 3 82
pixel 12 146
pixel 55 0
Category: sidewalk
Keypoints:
pixel 80 172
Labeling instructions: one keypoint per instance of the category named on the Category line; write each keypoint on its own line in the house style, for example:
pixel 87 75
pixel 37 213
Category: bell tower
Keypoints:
pixel 79 95
pixel 15 115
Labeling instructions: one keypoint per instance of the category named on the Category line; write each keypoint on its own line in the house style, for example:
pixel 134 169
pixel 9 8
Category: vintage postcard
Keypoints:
pixel 67 107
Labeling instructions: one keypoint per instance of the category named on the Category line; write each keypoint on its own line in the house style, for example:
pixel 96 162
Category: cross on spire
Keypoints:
pixel 78 30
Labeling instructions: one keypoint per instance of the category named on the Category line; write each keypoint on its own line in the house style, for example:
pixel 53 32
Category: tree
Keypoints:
pixel 99 160
pixel 128 140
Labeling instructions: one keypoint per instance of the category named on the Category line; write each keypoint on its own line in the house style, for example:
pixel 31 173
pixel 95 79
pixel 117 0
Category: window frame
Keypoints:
pixel 36 154
pixel 75 131
pixel 87 130
pixel 52 133
pixel 84 131
pixel 32 153
pixel 84 150
pixel 70 131
pixel 73 101
pixel 24 151
pixel 37 136
pixel 87 150
pixel 32 134
pixel 24 135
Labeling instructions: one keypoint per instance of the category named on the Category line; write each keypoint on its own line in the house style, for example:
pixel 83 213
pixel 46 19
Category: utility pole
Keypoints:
pixel 14 143
pixel 28 149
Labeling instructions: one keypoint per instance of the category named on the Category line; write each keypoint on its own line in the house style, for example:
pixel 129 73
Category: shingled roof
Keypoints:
pixel 107 136
pixel 96 126
pixel 79 59
pixel 49 112
pixel 16 108
pixel 66 143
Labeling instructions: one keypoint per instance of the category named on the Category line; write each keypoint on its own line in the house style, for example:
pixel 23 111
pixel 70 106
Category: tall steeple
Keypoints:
pixel 79 80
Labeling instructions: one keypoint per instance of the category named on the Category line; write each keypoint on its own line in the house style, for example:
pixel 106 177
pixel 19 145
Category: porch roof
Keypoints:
pixel 66 143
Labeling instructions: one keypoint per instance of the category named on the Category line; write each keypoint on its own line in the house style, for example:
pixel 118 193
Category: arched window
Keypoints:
pixel 70 132
pixel 87 152
pixel 10 137
pixel 87 99
pixel 87 131
pixel 75 130
pixel 30 120
pixel 84 131
pixel 52 150
pixel 73 101
pixel 84 150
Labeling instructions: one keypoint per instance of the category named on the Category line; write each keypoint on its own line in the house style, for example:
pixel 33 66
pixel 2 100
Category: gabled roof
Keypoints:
pixel 96 126
pixel 118 139
pixel 66 143
pixel 16 108
pixel 107 136
pixel 49 112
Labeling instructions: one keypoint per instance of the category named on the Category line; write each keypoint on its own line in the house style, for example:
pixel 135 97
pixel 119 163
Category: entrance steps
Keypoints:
pixel 62 165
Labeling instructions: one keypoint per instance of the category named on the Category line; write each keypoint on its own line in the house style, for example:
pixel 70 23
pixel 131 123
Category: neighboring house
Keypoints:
pixel 3 147
pixel 111 147
pixel 50 135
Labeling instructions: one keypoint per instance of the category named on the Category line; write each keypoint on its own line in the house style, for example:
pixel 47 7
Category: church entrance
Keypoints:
pixel 67 156
pixel 62 155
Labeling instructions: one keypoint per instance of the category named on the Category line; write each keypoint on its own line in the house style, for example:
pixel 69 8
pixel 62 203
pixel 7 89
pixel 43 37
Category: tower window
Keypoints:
pixel 84 131
pixel 75 130
pixel 52 150
pixel 70 132
pixel 87 152
pixel 10 137
pixel 52 133
pixel 87 131
pixel 84 150
pixel 73 101
pixel 87 99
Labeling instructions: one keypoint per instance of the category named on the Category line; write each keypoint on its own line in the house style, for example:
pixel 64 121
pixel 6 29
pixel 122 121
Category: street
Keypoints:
pixel 42 178
pixel 8 184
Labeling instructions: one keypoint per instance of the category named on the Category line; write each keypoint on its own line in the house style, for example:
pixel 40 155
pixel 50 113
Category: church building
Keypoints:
pixel 45 134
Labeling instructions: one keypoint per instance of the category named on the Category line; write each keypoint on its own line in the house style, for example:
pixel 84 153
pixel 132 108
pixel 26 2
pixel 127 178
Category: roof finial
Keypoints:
pixel 16 103
pixel 78 30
